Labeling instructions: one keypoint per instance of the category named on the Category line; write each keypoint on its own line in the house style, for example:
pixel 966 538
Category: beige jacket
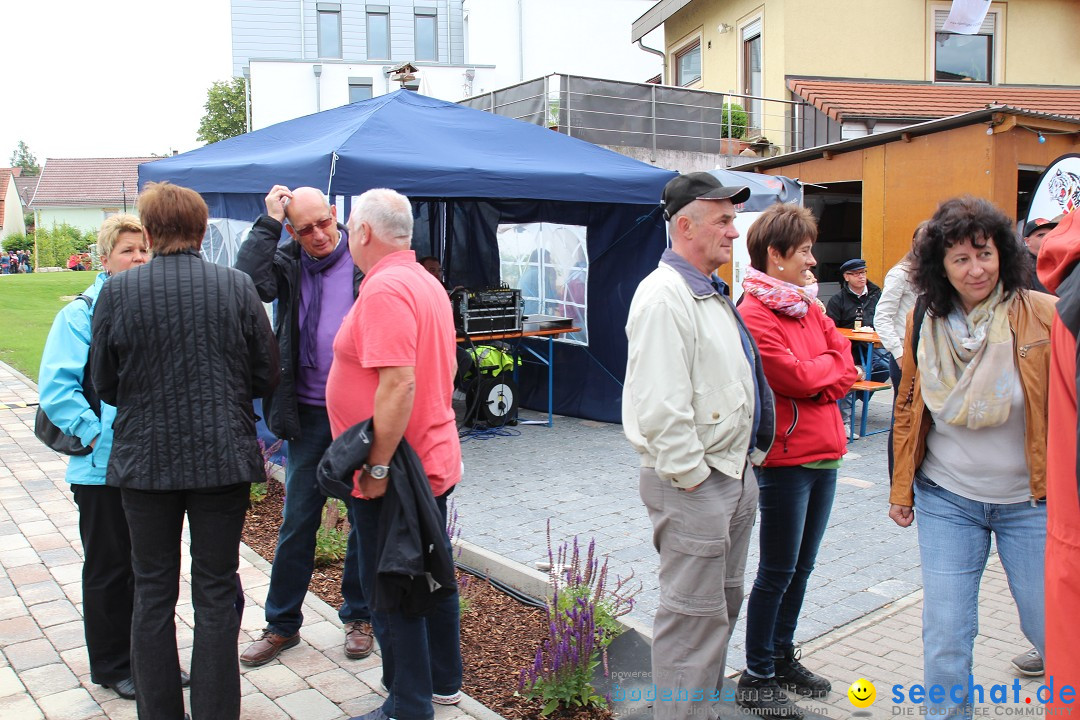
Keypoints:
pixel 688 398
pixel 1030 317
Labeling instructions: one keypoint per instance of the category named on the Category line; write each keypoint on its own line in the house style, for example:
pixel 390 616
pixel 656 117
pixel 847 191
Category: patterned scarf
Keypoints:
pixel 778 295
pixel 966 363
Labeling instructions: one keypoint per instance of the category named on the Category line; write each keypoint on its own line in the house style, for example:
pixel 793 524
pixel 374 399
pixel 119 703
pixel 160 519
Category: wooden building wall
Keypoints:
pixel 904 181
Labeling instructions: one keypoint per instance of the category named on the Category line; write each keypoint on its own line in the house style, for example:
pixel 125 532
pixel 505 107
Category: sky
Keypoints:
pixel 108 79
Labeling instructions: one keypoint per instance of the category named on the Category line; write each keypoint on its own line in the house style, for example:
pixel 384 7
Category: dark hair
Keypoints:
pixel 174 217
pixel 781 226
pixel 426 258
pixel 961 219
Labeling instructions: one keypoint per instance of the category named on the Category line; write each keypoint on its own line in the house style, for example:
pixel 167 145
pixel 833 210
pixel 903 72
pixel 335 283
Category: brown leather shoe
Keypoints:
pixel 359 640
pixel 267 647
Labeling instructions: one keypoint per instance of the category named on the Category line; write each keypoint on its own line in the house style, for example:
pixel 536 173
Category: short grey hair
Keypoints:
pixel 389 214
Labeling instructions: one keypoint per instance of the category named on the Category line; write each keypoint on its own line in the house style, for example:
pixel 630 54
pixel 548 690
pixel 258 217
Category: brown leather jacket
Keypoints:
pixel 1030 317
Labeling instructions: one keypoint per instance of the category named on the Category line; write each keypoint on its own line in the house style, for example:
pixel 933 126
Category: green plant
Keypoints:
pixel 733 121
pixel 56 244
pixel 257 493
pixel 226 111
pixel 561 674
pixel 330 544
pixel 19 242
pixel 582 620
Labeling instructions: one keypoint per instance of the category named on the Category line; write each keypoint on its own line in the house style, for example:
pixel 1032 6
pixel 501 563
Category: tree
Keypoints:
pixel 226 112
pixel 21 157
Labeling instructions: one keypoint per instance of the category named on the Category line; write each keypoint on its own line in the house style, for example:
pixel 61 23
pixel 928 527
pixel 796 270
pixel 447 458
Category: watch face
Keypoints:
pixel 379 471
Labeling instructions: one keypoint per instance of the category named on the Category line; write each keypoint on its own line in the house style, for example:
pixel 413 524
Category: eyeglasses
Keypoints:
pixel 308 229
pixel 857 273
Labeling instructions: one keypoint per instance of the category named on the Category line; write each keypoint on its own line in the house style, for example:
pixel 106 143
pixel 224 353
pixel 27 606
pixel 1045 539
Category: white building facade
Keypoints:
pixel 304 56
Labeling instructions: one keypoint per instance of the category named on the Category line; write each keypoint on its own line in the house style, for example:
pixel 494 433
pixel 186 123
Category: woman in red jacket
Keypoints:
pixel 809 367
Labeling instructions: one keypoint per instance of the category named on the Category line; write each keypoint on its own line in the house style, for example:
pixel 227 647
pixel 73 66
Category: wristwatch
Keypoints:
pixel 378 472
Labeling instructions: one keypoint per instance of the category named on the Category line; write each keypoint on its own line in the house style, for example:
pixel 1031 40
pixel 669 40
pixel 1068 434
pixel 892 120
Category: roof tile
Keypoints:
pixel 849 99
pixel 90 182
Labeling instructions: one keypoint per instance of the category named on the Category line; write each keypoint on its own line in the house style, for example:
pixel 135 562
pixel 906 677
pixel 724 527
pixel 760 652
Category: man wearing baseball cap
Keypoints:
pixel 1034 232
pixel 696 408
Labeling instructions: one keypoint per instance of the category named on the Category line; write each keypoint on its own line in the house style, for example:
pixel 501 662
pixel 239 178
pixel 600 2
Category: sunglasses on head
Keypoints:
pixel 308 229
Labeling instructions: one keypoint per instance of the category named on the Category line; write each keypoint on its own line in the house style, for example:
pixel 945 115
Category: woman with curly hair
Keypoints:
pixel 970 432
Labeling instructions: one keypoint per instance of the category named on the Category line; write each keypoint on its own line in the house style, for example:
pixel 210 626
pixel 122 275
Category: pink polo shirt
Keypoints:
pixel 400 319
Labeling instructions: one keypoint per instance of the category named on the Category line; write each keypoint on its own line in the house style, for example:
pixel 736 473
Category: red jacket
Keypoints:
pixel 1058 260
pixel 809 367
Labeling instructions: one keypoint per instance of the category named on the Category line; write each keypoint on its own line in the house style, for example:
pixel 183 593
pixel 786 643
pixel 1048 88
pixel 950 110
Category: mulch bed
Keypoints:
pixel 499 635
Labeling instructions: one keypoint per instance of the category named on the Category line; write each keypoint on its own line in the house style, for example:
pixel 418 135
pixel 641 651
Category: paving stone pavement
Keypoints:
pixel 584 476
pixel 44 671
pixel 861 618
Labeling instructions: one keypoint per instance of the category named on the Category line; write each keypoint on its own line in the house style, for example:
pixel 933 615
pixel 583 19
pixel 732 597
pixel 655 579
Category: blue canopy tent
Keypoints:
pixel 467 172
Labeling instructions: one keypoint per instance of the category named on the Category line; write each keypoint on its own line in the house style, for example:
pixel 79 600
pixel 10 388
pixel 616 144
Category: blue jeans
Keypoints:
pixel 421 654
pixel 954 543
pixel 795 503
pixel 294 558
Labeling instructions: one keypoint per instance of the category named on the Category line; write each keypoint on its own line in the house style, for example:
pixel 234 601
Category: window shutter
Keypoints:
pixel 989 22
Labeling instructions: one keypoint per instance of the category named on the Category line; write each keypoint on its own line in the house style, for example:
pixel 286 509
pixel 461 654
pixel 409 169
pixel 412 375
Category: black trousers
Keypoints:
pixel 215 520
pixel 107 582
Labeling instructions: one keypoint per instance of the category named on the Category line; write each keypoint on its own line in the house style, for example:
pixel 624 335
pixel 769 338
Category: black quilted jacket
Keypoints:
pixel 181 346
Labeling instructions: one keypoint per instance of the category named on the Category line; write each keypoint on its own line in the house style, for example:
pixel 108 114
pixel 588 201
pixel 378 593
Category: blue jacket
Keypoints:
pixel 60 388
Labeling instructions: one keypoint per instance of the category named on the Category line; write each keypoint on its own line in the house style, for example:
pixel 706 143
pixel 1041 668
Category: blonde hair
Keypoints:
pixel 111 229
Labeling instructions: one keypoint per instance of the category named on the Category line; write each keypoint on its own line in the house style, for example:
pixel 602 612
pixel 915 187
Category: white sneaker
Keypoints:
pixel 452 699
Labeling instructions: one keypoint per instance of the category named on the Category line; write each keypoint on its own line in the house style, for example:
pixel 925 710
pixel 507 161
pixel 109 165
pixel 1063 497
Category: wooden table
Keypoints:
pixel 544 331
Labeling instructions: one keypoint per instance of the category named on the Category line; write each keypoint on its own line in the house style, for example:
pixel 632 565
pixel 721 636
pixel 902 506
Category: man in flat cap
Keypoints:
pixel 696 407
pixel 853 308
pixel 1034 232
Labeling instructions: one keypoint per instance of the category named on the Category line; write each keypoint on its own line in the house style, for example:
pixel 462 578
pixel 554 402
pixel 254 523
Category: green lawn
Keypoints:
pixel 28 304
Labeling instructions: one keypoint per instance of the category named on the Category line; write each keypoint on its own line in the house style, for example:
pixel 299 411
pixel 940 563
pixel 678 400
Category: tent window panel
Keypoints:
pixel 549 263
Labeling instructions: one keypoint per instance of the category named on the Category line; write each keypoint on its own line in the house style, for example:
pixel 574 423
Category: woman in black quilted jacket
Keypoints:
pixel 180 347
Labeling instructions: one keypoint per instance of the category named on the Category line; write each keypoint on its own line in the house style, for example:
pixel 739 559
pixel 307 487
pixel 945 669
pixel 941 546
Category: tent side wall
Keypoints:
pixel 624 244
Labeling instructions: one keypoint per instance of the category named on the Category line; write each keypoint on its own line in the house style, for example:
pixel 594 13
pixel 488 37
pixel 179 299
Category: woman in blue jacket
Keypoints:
pixel 107 576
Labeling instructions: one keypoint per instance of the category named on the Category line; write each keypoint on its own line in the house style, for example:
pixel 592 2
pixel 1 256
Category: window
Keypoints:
pixel 359 89
pixel 751 70
pixel 549 263
pixel 688 64
pixel 378 32
pixel 427 31
pixel 964 58
pixel 329 28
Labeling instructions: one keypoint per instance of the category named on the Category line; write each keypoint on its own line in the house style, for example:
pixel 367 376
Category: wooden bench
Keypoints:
pixel 867 388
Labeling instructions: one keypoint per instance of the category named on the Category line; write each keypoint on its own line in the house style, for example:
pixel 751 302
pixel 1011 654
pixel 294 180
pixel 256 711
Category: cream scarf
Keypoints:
pixel 966 364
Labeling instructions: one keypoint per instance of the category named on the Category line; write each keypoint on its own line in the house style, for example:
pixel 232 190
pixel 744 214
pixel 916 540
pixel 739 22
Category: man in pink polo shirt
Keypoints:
pixel 394 362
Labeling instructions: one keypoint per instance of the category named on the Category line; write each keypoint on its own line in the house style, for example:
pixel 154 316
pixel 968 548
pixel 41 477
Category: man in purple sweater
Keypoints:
pixel 314 281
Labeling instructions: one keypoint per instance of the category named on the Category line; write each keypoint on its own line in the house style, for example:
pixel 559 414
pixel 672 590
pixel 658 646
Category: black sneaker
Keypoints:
pixel 791 674
pixel 764 697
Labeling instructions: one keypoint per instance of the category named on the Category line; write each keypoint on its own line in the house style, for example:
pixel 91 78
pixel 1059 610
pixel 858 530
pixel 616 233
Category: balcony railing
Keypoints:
pixel 659 117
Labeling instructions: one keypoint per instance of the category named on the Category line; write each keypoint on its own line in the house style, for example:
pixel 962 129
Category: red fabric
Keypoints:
pixel 1057 260
pixel 808 366
pixel 400 319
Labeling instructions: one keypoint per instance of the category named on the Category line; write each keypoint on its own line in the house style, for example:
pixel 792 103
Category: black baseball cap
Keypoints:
pixel 1037 223
pixel 853 265
pixel 685 189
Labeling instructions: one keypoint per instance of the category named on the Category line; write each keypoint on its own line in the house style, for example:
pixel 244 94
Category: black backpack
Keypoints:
pixel 47 432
